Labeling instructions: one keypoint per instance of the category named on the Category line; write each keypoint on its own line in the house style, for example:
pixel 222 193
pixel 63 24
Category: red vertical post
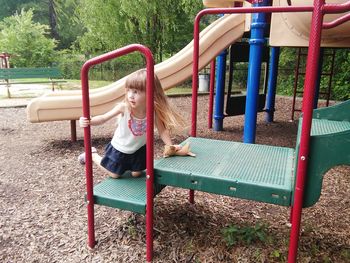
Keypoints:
pixel 296 78
pixel 73 131
pixel 307 109
pixel 88 157
pixel 149 140
pixel 195 85
pixel 211 94
pixel 150 153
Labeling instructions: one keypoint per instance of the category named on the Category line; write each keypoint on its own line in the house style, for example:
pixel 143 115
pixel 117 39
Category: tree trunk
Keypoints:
pixel 53 20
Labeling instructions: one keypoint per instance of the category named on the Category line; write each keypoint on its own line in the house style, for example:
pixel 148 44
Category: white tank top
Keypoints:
pixel 130 134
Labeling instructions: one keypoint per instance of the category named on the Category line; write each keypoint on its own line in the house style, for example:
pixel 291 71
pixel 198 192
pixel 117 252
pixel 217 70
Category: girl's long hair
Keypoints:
pixel 163 111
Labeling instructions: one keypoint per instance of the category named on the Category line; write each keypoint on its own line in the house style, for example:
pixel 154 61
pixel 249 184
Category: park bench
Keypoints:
pixel 52 75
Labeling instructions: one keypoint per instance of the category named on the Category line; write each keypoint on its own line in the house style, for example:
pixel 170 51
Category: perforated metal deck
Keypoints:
pixel 233 169
pixel 321 126
pixel 127 193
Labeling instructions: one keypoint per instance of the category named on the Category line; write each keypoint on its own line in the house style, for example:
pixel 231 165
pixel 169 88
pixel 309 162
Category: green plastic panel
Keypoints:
pixel 323 127
pixel 338 112
pixel 329 147
pixel 256 172
pixel 126 193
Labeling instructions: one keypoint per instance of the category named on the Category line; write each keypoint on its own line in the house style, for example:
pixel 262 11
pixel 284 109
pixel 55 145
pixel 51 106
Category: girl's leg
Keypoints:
pixel 96 158
pixel 136 173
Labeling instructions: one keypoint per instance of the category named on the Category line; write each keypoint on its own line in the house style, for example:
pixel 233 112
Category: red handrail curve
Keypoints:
pixel 319 9
pixel 149 138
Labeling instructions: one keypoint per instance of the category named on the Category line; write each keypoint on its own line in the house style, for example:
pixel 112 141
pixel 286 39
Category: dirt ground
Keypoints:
pixel 43 214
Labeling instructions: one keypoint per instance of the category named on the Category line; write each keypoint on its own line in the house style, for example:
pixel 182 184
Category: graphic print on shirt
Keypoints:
pixel 136 126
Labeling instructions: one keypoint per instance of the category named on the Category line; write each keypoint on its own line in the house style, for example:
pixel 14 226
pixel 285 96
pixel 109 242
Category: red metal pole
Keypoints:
pixel 73 130
pixel 88 156
pixel 308 102
pixel 336 8
pixel 195 74
pixel 150 140
pixel 211 93
pixel 296 81
pixel 337 22
pixel 150 153
pixel 309 90
pixel 212 11
pixel 196 51
pixel 195 86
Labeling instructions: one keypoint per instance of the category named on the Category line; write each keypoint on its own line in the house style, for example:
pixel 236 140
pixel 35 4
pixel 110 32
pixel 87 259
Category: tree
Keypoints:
pixel 59 14
pixel 26 41
pixel 164 26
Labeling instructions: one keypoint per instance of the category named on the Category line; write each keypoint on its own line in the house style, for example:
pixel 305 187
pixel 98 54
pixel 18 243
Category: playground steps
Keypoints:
pixel 127 193
pixel 329 146
pixel 249 171
pixel 260 172
pixel 323 127
pixel 256 172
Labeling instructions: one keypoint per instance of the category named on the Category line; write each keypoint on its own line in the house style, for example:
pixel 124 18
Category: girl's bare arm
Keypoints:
pixel 100 119
pixel 163 132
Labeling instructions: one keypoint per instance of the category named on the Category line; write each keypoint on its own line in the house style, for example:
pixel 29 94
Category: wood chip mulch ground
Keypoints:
pixel 43 214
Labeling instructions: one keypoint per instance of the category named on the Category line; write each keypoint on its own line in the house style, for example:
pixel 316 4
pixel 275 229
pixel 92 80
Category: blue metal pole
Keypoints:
pixel 256 42
pixel 220 91
pixel 272 83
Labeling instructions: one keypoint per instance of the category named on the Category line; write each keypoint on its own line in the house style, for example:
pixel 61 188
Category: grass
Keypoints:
pixel 247 235
pixel 75 84
pixel 180 90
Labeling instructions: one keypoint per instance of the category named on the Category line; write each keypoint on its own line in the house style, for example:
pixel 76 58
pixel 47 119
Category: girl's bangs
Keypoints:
pixel 137 81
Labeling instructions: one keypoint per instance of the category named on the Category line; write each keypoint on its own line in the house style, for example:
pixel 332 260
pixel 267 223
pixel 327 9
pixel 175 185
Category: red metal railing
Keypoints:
pixel 319 9
pixel 216 11
pixel 150 138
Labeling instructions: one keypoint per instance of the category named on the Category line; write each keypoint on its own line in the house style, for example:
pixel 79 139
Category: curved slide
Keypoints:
pixel 295 27
pixel 67 105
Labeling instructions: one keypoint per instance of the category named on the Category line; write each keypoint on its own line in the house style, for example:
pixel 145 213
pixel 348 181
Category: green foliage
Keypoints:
pixel 247 235
pixel 163 26
pixel 70 63
pixel 285 80
pixel 345 254
pixel 341 82
pixel 341 76
pixel 63 17
pixel 277 255
pixel 26 41
pixel 9 8
pixel 69 26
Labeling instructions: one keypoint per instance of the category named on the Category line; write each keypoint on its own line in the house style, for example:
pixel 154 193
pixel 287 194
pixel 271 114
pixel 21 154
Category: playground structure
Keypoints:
pixel 67 105
pixel 4 60
pixel 283 176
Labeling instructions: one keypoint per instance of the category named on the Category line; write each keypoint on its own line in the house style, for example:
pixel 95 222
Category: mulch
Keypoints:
pixel 43 216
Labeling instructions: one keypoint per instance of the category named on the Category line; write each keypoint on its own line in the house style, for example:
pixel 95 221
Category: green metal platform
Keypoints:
pixel 127 193
pixel 256 172
pixel 323 127
pixel 249 171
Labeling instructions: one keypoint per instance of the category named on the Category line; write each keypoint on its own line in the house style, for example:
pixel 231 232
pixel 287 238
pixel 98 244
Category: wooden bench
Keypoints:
pixel 53 76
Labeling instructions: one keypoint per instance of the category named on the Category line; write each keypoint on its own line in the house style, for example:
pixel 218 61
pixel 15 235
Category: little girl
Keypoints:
pixel 127 150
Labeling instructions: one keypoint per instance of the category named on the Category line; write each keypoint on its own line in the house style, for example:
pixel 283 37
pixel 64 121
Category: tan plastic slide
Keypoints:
pixel 67 105
pixel 293 29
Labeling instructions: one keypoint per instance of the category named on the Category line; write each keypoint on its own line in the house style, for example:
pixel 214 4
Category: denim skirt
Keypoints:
pixel 118 162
